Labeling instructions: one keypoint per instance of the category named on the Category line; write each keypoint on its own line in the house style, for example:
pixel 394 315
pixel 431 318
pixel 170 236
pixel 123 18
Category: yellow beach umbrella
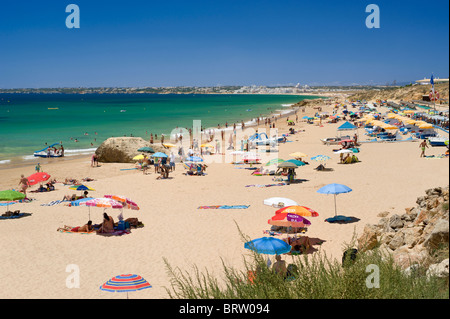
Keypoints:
pixel 410 112
pixel 169 145
pixel 138 157
pixel 392 116
pixel 426 126
pixel 207 145
pixel 298 155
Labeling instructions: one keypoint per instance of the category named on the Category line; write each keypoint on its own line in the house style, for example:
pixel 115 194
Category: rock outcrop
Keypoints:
pixel 413 237
pixel 123 149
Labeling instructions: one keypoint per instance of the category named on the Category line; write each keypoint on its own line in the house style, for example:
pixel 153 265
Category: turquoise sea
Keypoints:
pixel 28 121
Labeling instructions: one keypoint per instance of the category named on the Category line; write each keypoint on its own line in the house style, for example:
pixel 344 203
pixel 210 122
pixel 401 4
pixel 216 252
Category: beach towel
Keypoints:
pixel 20 215
pixel 74 232
pixel 225 207
pixel 269 185
pixel 250 168
pixel 128 169
pixel 272 233
pixel 54 202
pixel 115 233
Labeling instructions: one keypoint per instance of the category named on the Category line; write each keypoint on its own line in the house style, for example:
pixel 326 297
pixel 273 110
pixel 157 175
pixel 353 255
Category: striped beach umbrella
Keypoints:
pixel 125 283
pixel 320 158
pixel 126 202
pixel 298 210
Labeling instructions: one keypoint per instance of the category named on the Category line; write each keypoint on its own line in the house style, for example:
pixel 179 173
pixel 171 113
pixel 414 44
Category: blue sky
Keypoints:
pixel 205 43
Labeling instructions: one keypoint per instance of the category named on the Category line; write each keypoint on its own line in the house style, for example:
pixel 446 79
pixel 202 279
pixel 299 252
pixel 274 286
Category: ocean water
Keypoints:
pixel 28 121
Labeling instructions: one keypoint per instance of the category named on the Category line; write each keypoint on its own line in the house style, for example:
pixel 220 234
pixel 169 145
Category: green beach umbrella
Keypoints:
pixel 146 149
pixel 274 161
pixel 10 195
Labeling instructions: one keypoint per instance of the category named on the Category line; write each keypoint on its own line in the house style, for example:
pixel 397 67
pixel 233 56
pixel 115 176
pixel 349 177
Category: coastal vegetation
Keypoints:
pixel 318 277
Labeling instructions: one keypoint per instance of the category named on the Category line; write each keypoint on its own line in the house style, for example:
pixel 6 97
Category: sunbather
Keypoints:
pixel 107 225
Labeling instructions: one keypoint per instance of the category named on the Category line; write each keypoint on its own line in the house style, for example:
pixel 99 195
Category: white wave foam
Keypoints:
pixel 5 161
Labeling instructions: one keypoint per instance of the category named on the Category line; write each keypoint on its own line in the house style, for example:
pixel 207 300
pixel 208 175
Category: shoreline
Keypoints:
pixel 24 160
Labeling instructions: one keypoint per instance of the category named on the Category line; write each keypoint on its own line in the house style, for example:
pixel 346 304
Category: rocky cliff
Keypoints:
pixel 123 149
pixel 414 237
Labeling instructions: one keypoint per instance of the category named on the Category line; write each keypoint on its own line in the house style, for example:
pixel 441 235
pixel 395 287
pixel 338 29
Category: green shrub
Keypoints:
pixel 318 277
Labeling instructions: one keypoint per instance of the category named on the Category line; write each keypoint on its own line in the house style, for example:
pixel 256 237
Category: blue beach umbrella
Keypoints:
pixel 296 162
pixel 159 154
pixel 320 158
pixel 334 189
pixel 194 159
pixel 268 246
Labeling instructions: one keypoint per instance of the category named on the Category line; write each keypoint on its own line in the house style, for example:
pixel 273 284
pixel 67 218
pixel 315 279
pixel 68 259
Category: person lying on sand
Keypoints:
pixel 79 229
pixel 71 181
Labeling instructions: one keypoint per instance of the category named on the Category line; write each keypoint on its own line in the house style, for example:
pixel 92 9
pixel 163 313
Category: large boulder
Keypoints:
pixel 439 235
pixel 123 149
pixel 439 270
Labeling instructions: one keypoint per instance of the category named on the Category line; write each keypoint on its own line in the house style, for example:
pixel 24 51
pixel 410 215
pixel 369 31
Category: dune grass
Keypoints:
pixel 318 277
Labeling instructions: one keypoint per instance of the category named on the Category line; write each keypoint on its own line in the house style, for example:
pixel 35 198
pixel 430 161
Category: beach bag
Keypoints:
pixel 349 257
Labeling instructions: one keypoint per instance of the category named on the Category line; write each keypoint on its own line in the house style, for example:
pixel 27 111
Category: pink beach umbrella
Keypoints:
pixel 126 202
pixel 102 202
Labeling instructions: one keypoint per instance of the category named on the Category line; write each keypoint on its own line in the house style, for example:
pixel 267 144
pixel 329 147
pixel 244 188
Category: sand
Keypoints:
pixel 36 259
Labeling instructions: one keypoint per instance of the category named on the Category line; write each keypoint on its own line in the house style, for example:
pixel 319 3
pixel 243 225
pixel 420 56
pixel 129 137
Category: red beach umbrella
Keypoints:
pixel 38 178
pixel 298 210
pixel 289 220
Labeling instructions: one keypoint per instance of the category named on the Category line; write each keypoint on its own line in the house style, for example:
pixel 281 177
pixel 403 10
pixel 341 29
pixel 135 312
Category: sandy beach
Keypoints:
pixel 35 257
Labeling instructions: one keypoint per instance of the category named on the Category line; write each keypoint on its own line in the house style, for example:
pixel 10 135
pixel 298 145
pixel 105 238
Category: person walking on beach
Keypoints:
pixel 151 138
pixel 23 183
pixel 38 168
pixel 423 145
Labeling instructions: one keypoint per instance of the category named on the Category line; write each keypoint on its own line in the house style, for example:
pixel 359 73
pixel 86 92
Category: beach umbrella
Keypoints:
pixel 320 158
pixel 344 151
pixel 298 155
pixel 426 126
pixel 125 283
pixel 169 145
pixel 206 145
pixel 279 202
pixel 146 149
pixel 101 202
pixel 38 178
pixel 268 246
pixel 194 159
pixel 126 202
pixel 81 188
pixel 334 189
pixel 298 210
pixel 289 220
pixel 79 201
pixel 296 162
pixel 159 154
pixel 9 197
pixel 274 161
pixel 138 157
pixel 287 165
